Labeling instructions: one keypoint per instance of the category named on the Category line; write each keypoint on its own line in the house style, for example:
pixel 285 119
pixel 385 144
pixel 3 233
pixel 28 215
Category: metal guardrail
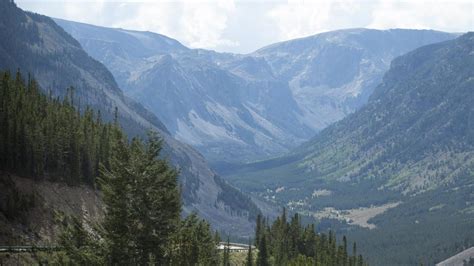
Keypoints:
pixel 234 247
pixel 19 249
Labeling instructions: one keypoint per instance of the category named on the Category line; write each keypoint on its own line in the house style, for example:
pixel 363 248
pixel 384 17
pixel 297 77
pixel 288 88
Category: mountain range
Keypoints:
pixel 234 107
pixel 35 45
pixel 368 132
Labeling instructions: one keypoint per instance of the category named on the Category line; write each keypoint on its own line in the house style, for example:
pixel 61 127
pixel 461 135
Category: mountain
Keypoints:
pixel 245 107
pixel 404 162
pixel 332 74
pixel 35 44
pixel 201 102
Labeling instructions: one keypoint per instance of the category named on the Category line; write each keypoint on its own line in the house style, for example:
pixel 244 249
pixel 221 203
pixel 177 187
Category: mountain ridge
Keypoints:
pixel 246 107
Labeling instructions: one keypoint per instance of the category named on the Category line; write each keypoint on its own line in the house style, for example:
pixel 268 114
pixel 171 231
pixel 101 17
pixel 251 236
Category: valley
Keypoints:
pixel 347 147
pixel 406 148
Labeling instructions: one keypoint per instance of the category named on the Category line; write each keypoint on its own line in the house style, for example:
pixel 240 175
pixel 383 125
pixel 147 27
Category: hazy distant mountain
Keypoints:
pixel 35 44
pixel 413 143
pixel 332 74
pixel 243 107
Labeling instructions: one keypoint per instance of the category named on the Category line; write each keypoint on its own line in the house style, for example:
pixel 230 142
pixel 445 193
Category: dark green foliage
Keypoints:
pixel 142 223
pixel 259 230
pixel 155 200
pixel 262 257
pixel 291 243
pixel 48 138
pixel 116 195
pixel 301 260
pixel 193 243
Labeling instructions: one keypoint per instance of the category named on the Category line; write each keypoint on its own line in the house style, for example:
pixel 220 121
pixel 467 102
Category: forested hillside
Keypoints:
pixel 38 47
pixel 48 139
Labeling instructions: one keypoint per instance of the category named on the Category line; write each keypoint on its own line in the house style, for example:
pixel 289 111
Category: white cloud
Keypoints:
pixel 454 15
pixel 204 23
pixel 195 23
pixel 297 18
pixel 246 25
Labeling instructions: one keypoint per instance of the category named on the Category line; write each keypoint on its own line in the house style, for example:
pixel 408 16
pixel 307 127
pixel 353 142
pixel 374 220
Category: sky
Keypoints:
pixel 242 26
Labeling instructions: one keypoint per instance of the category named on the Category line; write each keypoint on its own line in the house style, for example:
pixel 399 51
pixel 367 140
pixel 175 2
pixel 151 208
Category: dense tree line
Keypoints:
pixel 45 137
pixel 291 243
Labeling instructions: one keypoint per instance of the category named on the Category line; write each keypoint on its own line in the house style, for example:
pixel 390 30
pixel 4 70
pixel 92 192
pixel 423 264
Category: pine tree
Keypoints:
pixel 289 243
pixel 193 243
pixel 115 185
pixel 226 256
pixel 45 137
pixel 360 260
pixel 249 261
pixel 217 240
pixel 258 230
pixel 155 200
pixel 262 256
pixel 354 255
pixel 344 250
pixel 208 254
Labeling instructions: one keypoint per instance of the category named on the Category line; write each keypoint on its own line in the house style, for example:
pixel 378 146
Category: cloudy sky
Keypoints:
pixel 241 26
